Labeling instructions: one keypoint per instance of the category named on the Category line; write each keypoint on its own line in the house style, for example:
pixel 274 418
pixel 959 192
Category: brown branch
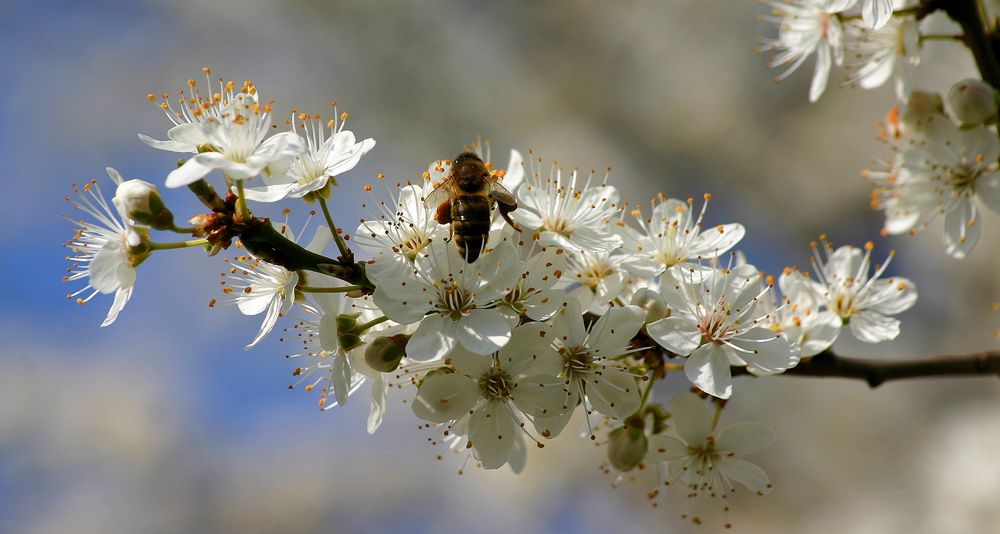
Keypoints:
pixel 876 372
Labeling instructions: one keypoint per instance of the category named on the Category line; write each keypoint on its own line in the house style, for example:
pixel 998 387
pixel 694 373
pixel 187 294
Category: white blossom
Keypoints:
pixel 942 170
pixel 705 461
pixel 324 158
pixel 454 301
pixel 717 323
pixel 875 55
pixel 257 287
pixel 234 142
pixel 596 278
pixel 560 214
pixel 806 27
pixel 673 236
pixel 489 398
pixel 106 250
pixel 588 360
pixel 863 301
pixel 402 230
pixel 803 319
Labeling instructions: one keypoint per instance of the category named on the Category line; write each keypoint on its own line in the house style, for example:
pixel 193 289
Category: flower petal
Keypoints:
pixel 750 475
pixel 433 340
pixel 961 228
pixel 873 327
pixel 708 369
pixel 483 331
pixel 770 352
pixel 690 418
pixel 492 433
pixel 679 335
pixel 444 397
pixel 665 449
pixel 613 392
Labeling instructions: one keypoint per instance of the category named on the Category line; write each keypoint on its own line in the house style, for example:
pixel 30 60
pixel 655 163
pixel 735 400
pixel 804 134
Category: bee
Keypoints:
pixel 465 200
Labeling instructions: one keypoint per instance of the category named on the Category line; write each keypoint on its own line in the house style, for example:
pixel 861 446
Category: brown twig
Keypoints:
pixel 876 372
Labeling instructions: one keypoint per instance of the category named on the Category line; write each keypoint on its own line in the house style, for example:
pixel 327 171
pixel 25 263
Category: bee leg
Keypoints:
pixel 504 210
pixel 443 213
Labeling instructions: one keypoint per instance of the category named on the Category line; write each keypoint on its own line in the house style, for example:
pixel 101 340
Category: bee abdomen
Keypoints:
pixel 470 222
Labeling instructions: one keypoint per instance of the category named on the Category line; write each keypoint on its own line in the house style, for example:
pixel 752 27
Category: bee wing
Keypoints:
pixel 439 195
pixel 501 194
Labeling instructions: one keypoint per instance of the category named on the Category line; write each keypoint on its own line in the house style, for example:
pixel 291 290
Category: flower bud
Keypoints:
pixel 140 201
pixel 347 322
pixel 384 353
pixel 627 447
pixel 972 102
pixel 653 303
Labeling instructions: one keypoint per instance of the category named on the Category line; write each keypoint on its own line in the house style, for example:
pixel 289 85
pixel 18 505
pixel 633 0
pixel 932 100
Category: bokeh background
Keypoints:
pixel 163 423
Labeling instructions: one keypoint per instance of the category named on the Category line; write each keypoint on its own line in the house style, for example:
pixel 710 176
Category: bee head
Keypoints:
pixel 469 164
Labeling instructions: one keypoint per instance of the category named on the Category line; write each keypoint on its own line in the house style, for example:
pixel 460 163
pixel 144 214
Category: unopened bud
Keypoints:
pixel 653 303
pixel 384 353
pixel 972 102
pixel 347 322
pixel 920 107
pixel 627 447
pixel 140 201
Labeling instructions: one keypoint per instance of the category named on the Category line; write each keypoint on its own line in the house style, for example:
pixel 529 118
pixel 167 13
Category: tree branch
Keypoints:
pixel 877 372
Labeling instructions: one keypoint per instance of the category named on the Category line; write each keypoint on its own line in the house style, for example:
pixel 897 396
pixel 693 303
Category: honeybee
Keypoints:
pixel 465 200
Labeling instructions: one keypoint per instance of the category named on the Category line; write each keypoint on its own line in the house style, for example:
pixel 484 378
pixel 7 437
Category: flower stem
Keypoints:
pixel 241 202
pixel 942 37
pixel 646 391
pixel 345 252
pixel 182 230
pixel 341 289
pixel 718 414
pixel 369 324
pixel 179 244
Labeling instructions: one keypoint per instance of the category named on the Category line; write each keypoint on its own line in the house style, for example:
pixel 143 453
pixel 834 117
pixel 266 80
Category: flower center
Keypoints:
pixel 558 225
pixel 455 302
pixel 715 328
pixel 496 384
pixel 576 361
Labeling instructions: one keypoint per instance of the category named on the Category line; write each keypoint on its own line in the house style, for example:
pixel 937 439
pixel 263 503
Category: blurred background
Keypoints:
pixel 163 423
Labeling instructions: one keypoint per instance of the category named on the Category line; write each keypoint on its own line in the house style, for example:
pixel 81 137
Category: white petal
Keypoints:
pixel 518 456
pixel 170 145
pixel 376 413
pixel 873 327
pixel 679 335
pixel 750 475
pixel 268 193
pixel 876 12
pixel 530 351
pixel 613 392
pixel 122 295
pixel 708 369
pixel 770 352
pixel 404 300
pixel 444 397
pixel 194 169
pixel 342 378
pixel 273 311
pixel 492 433
pixel 541 395
pixel 690 418
pixel 743 438
pixel 820 334
pixel 822 74
pixel 515 171
pixel 961 228
pixel 433 340
pixel 890 296
pixel 613 331
pixel 483 331
pixel 665 448
pixel 988 189
pixel 328 338
pixel 715 241
pixel 540 306
pixel 103 269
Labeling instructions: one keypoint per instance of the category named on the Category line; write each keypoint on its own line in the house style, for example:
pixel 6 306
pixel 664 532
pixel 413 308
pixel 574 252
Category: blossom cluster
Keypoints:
pixel 577 304
pixel 946 149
